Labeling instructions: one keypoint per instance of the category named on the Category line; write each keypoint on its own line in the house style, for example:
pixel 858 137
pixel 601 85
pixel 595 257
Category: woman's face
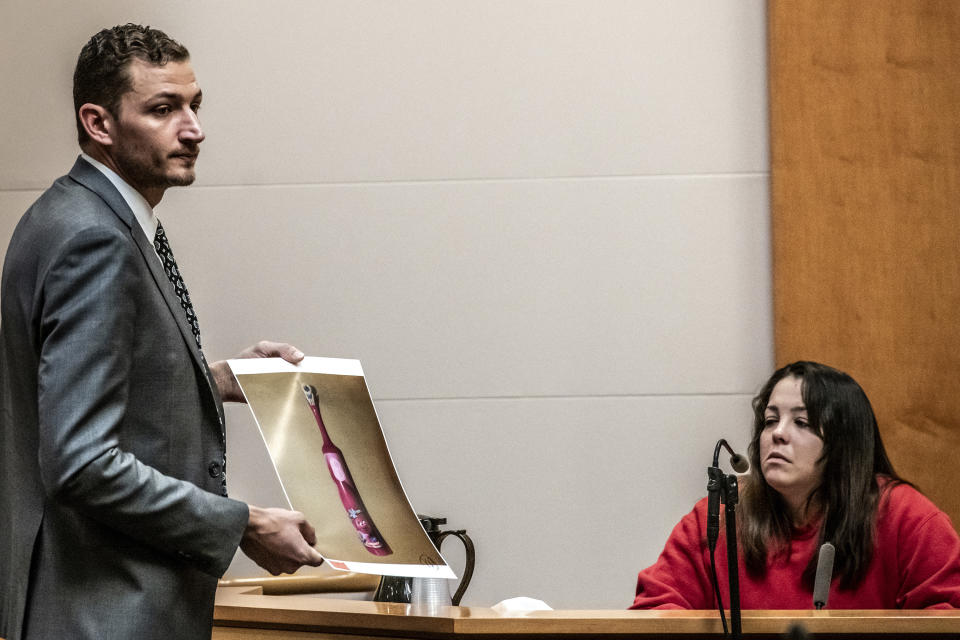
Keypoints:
pixel 790 448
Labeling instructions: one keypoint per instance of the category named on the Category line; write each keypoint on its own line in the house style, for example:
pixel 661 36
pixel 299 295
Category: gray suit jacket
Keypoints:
pixel 112 518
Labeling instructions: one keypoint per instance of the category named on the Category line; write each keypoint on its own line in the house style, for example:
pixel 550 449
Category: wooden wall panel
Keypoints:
pixel 865 135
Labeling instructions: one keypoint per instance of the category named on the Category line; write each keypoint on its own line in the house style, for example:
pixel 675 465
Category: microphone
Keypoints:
pixel 722 488
pixel 797 632
pixel 739 463
pixel 715 482
pixel 821 584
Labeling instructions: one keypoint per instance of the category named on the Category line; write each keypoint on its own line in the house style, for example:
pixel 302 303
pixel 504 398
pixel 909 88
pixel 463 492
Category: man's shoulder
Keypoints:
pixel 67 215
pixel 67 207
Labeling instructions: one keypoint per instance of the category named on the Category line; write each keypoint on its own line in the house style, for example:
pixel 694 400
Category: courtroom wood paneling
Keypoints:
pixel 242 614
pixel 865 135
pixel 240 633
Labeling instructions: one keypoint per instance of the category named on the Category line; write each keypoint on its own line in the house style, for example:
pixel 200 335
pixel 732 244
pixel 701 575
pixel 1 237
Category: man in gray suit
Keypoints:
pixel 114 520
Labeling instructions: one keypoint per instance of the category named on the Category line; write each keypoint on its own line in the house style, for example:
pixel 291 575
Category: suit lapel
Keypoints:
pixel 91 177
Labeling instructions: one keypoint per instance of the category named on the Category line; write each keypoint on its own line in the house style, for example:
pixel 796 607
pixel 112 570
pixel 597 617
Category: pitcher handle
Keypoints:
pixel 471 560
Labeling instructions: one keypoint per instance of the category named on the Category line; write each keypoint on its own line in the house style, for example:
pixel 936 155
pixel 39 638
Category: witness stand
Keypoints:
pixel 243 613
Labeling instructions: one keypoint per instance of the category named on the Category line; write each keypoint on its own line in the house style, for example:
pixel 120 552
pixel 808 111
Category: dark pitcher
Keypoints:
pixel 401 589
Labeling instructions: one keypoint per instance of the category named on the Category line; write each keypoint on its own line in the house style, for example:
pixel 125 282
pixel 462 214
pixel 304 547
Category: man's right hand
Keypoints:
pixel 279 540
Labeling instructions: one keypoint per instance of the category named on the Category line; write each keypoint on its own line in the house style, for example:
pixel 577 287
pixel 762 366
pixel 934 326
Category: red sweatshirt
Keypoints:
pixel 915 565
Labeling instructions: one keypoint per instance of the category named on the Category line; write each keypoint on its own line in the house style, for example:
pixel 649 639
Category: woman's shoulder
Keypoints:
pixel 903 502
pixel 693 521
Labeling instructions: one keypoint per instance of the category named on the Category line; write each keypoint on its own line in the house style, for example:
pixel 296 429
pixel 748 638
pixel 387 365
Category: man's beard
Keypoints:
pixel 148 171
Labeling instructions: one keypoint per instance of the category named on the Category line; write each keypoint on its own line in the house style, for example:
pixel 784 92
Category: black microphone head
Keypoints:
pixel 821 584
pixel 739 463
pixel 796 632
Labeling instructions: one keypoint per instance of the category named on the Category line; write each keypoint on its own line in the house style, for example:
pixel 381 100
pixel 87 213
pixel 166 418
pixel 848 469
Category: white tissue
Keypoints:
pixel 520 605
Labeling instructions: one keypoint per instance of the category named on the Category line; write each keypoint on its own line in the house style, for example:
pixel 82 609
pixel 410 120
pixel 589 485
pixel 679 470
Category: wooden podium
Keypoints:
pixel 243 613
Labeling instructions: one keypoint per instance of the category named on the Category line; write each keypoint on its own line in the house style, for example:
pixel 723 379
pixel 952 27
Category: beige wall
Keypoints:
pixel 542 227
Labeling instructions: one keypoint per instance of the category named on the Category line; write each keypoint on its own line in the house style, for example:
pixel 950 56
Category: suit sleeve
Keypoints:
pixel 678 579
pixel 88 319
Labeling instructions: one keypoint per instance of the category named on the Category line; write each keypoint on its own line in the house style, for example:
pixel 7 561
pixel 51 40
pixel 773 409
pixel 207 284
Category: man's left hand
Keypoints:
pixel 227 384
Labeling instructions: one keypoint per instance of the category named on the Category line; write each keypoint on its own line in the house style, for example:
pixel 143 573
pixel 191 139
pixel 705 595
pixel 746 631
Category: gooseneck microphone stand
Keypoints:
pixel 723 489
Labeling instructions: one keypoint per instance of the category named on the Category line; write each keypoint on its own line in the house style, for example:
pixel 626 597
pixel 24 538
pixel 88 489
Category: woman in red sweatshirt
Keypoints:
pixel 819 473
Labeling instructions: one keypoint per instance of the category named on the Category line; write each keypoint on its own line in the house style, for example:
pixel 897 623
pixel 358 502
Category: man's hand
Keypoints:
pixel 280 541
pixel 227 384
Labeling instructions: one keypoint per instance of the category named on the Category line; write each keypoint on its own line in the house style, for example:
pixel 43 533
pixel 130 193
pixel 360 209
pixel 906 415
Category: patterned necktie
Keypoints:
pixel 162 245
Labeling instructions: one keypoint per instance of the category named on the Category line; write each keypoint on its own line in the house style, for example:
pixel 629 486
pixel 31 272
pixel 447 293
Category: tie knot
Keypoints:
pixel 159 237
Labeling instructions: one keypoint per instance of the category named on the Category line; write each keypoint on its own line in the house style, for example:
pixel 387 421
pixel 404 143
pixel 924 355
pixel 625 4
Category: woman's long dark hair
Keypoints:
pixel 848 496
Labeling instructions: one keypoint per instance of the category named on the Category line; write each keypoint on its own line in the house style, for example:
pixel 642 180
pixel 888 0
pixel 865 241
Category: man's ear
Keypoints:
pixel 98 123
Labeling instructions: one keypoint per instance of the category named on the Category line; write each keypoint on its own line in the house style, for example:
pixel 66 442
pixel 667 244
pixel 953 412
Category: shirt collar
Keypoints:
pixel 142 211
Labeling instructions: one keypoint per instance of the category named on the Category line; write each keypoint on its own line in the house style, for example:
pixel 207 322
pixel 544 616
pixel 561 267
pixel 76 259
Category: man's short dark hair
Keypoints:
pixel 102 76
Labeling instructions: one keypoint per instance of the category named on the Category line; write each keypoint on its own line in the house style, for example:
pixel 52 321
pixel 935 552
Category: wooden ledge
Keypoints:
pixel 329 618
